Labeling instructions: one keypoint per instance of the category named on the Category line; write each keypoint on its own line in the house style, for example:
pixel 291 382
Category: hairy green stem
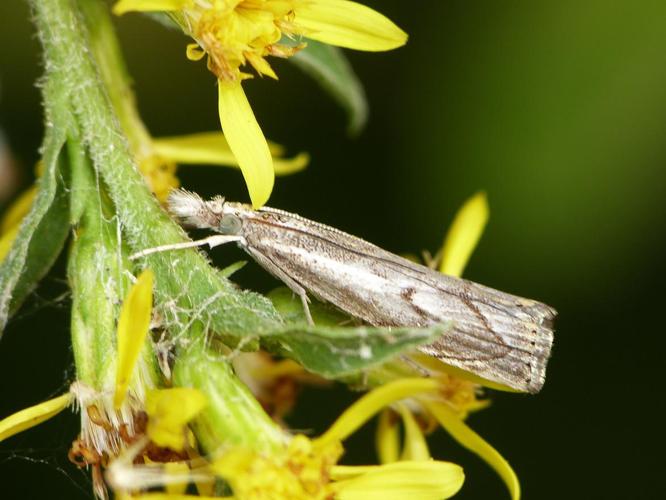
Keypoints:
pixel 184 275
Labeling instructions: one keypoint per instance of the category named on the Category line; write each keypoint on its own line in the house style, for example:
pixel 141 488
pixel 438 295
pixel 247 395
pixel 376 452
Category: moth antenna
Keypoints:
pixel 192 210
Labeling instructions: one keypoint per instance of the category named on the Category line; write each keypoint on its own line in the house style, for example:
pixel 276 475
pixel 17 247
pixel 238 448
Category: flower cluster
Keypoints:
pixel 184 383
pixel 233 34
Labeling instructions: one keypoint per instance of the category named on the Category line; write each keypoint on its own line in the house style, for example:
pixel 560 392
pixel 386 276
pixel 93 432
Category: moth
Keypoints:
pixel 498 336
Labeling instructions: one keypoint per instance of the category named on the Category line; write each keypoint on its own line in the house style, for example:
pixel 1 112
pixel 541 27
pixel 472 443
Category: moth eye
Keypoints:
pixel 229 224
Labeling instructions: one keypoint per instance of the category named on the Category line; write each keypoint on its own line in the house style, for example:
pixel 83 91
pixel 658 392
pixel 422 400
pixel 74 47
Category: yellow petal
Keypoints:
pixel 133 326
pixel 124 6
pixel 415 447
pixel 169 411
pixel 168 496
pixel 33 416
pixel 7 239
pixel 397 481
pixel 211 148
pixel 387 439
pixel 348 24
pixel 475 443
pixel 18 210
pixel 464 234
pixel 359 413
pixel 246 141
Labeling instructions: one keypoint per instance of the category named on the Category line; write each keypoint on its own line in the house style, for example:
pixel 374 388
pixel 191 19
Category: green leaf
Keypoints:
pixel 44 230
pixel 329 66
pixel 334 352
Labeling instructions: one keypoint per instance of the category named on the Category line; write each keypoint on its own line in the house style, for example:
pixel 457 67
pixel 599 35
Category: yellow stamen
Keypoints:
pixel 133 326
pixel 33 416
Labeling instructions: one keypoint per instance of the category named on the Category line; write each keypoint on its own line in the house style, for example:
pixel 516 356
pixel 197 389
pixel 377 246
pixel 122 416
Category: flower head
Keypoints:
pixel 237 34
pixel 458 390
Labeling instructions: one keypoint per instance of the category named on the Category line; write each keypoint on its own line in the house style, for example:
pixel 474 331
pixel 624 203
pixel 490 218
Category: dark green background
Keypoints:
pixel 556 109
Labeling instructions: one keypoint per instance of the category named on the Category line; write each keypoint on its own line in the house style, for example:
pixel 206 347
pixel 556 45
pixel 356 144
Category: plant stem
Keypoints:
pixel 184 275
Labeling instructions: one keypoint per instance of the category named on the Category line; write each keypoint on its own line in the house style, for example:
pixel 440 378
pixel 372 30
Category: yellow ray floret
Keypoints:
pixel 415 447
pixel 246 141
pixel 133 326
pixel 432 480
pixel 387 437
pixel 454 425
pixel 348 24
pixel 33 416
pixel 124 6
pixel 464 234
pixel 363 409
pixel 212 148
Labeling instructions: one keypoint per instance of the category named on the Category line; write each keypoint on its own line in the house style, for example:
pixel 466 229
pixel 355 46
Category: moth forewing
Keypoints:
pixel 497 336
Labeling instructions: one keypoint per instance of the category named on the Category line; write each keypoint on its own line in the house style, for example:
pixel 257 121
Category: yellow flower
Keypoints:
pixel 307 469
pixel 303 468
pixel 235 33
pixel 457 389
pixel 104 423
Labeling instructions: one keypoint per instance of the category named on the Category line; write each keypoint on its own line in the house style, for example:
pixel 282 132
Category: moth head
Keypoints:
pixel 229 222
pixel 191 210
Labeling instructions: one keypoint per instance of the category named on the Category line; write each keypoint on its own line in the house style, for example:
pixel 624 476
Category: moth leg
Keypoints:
pixel 211 241
pixel 291 283
pixel 306 307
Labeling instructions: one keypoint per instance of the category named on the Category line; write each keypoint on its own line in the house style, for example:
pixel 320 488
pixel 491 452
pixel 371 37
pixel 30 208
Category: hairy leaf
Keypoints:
pixel 334 352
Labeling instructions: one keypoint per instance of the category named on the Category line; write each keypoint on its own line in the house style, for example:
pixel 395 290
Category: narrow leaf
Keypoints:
pixel 340 351
pixel 41 235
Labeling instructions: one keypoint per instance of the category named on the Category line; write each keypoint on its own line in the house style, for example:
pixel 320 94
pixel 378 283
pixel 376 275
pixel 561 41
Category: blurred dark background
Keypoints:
pixel 556 109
